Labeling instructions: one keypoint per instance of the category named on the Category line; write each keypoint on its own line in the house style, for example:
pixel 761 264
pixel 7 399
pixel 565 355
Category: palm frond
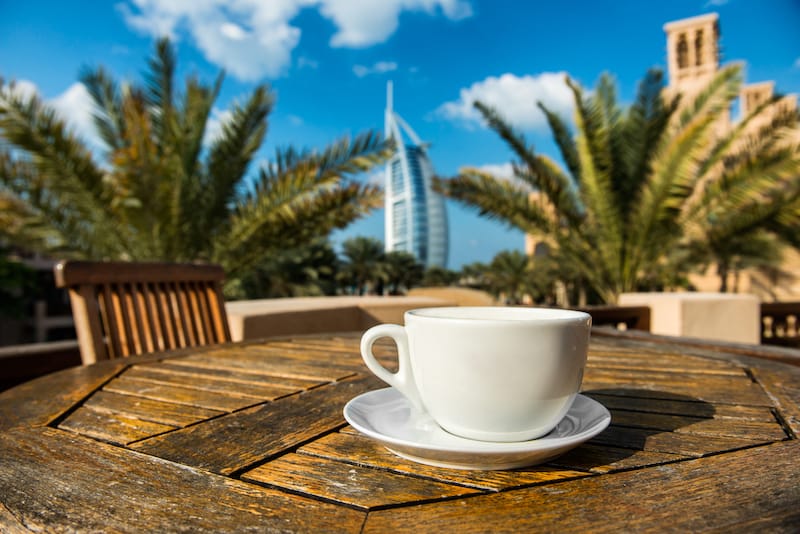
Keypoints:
pixel 593 120
pixel 541 174
pixel 500 200
pixel 563 139
pixel 674 177
pixel 107 116
pixel 231 153
pixel 305 195
pixel 159 81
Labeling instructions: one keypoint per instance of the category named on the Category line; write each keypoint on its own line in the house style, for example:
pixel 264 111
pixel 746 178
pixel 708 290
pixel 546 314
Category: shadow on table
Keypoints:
pixel 643 423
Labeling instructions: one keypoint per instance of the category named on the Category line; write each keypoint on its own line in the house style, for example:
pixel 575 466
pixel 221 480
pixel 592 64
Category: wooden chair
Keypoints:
pixel 121 308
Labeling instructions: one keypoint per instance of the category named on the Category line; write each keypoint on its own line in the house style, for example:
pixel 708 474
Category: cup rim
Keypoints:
pixel 498 314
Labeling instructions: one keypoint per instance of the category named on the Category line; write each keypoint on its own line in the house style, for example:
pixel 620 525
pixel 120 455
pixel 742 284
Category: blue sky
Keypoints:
pixel 328 62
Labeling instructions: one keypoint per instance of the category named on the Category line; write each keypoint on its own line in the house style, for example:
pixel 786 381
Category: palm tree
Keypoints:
pixel 306 271
pixel 364 264
pixel 645 184
pixel 403 271
pixel 159 190
pixel 436 276
pixel 510 276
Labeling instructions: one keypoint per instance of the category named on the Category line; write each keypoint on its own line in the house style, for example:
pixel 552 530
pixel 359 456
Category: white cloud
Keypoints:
pixel 797 63
pixel 216 120
pixel 233 31
pixel 500 170
pixel 514 97
pixel 363 24
pixel 76 107
pixel 504 172
pixel 22 88
pixel 715 3
pixel 254 38
pixel 304 61
pixel 378 68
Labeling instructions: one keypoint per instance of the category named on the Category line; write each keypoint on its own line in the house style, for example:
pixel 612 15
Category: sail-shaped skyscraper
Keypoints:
pixel 416 220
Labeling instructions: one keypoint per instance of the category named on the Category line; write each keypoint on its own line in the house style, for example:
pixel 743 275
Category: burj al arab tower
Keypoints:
pixel 416 220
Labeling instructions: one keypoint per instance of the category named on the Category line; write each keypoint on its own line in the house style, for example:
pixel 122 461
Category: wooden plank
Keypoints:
pixel 89 486
pixel 175 314
pixel 144 317
pixel 713 390
pixel 678 406
pixel 166 315
pixel 783 387
pixel 349 484
pixel 86 313
pixel 670 442
pixel 700 426
pixel 195 315
pixel 133 319
pixel 122 323
pixel 605 459
pixel 28 405
pixel 184 315
pixel 179 395
pixel 662 361
pixel 218 313
pixel 360 450
pixel 244 376
pixel 166 413
pixel 119 429
pixel 585 458
pixel 337 345
pixel 151 311
pixel 234 442
pixel 685 496
pixel 235 389
pixel 275 365
pixel 110 322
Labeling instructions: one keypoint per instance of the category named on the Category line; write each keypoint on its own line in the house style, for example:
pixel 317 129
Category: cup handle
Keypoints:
pixel 403 379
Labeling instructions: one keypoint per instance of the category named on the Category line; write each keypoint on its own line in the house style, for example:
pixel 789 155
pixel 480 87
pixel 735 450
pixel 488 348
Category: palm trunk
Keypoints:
pixel 722 271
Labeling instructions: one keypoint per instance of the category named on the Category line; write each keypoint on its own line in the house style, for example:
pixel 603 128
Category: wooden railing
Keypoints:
pixel 780 324
pixel 620 317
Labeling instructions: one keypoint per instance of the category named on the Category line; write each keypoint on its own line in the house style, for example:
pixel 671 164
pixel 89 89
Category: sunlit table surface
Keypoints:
pixel 252 436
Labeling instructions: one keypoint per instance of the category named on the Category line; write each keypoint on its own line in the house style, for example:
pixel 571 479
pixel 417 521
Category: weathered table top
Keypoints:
pixel 251 436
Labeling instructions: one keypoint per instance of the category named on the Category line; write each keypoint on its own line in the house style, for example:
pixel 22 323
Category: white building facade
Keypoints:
pixel 415 215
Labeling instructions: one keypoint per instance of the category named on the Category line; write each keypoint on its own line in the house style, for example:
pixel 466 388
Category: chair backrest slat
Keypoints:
pixel 122 308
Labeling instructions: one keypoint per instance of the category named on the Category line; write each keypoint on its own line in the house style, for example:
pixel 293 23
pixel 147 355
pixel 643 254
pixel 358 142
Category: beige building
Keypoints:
pixel 692 60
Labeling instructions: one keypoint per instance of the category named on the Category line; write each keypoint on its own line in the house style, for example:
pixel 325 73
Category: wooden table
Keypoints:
pixel 251 436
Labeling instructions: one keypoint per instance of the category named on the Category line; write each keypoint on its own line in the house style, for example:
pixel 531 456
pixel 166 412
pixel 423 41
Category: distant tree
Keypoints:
pixel 439 276
pixel 645 185
pixel 758 249
pixel 306 271
pixel 363 265
pixel 474 275
pixel 159 190
pixel 510 276
pixel 403 271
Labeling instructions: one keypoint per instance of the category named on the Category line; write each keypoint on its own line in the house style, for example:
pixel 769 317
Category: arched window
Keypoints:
pixel 683 52
pixel 698 48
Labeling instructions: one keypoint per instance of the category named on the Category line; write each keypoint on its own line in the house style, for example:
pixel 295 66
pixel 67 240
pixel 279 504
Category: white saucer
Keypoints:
pixel 386 416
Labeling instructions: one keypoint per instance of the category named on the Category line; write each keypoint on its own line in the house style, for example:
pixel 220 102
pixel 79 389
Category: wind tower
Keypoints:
pixel 692 52
pixel 415 216
pixel 693 56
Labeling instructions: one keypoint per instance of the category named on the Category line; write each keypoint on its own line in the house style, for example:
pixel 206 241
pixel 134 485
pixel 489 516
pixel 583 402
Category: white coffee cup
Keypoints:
pixel 487 373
